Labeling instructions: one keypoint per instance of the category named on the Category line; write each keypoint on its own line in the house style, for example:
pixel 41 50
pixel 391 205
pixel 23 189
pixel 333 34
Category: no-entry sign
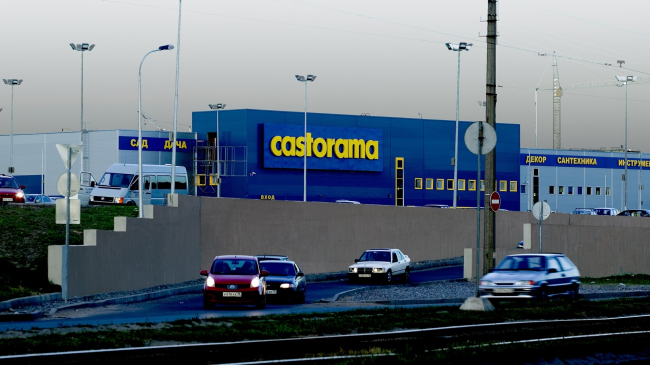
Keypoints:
pixel 495 201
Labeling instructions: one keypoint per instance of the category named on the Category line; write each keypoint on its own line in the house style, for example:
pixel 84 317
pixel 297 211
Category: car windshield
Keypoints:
pixel 533 263
pixel 375 256
pixel 277 268
pixel 233 267
pixel 8 183
pixel 602 211
pixel 116 180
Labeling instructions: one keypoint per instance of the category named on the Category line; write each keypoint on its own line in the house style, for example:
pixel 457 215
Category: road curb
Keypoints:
pixel 191 289
pixel 350 292
pixel 33 300
pixel 20 317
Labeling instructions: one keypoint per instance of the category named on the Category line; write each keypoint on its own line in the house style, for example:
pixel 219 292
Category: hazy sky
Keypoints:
pixel 385 58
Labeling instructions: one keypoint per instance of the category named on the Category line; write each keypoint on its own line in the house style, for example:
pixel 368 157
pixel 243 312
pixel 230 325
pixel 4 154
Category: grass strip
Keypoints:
pixel 302 325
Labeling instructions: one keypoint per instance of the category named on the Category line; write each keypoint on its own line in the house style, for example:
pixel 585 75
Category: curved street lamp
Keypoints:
pixel 625 80
pixel 161 48
pixel 305 79
pixel 12 82
pixel 218 107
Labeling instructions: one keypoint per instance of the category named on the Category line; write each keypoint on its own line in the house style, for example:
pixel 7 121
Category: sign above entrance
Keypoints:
pixel 156 144
pixel 327 148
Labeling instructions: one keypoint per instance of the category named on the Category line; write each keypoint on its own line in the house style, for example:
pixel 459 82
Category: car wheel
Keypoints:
pixel 261 303
pixel 207 304
pixel 302 296
pixel 389 277
pixel 131 203
pixel 574 292
pixel 407 275
pixel 542 295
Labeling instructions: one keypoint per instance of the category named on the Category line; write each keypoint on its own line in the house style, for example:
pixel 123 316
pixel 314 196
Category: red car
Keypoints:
pixel 234 279
pixel 10 191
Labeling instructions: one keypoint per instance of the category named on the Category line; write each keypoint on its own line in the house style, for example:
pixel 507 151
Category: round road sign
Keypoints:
pixel 495 201
pixel 62 184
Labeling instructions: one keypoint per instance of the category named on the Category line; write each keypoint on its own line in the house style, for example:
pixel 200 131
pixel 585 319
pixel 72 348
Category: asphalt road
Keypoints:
pixel 191 306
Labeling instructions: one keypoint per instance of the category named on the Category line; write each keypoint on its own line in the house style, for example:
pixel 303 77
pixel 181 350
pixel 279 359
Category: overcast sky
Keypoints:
pixel 385 58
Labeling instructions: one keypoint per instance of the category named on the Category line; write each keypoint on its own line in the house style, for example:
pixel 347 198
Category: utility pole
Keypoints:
pixel 490 118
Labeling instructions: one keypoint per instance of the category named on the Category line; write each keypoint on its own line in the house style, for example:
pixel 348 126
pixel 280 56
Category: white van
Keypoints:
pixel 119 185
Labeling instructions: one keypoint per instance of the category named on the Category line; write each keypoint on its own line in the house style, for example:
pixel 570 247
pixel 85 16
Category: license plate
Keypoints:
pixel 364 275
pixel 231 294
pixel 271 292
pixel 504 290
pixel 7 199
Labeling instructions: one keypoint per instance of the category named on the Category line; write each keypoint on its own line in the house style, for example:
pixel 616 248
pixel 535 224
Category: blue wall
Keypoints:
pixel 427 147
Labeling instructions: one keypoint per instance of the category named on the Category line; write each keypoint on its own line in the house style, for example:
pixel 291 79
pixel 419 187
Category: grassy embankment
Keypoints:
pixel 25 233
pixel 361 321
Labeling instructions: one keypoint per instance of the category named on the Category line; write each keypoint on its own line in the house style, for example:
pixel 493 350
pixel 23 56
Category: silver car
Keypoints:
pixel 531 276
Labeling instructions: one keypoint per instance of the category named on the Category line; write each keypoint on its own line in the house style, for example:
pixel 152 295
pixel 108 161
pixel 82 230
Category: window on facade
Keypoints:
pixel 560 190
pixel 513 186
pixel 450 184
pixel 429 184
pixel 579 190
pixel 608 191
pixel 503 185
pixel 471 185
pixel 589 190
pixel 597 190
pixel 523 188
pixel 535 172
pixel 551 189
pixel 418 183
pixel 570 189
pixel 482 185
pixel 461 184
pixel 440 184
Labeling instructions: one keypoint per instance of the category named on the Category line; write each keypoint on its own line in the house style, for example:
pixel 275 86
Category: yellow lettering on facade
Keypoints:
pixel 145 144
pixel 374 154
pixel 134 143
pixel 621 162
pixel 535 159
pixel 274 146
pixel 357 148
pixel 168 145
pixel 300 146
pixel 330 146
pixel 309 143
pixel 321 151
pixel 337 148
pixel 291 151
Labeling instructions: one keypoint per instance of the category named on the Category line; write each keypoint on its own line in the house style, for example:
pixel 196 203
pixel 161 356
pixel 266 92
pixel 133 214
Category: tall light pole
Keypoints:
pixel 625 80
pixel 218 107
pixel 82 48
pixel 12 82
pixel 178 54
pixel 462 46
pixel 161 48
pixel 304 80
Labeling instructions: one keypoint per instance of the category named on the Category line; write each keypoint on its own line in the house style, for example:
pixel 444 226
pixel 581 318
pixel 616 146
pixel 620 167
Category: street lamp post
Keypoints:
pixel 305 79
pixel 625 80
pixel 161 48
pixel 12 82
pixel 82 48
pixel 218 107
pixel 462 46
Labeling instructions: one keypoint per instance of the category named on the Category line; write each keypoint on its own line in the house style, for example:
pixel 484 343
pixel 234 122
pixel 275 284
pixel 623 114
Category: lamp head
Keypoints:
pixel 311 77
pixel 91 47
pixel 217 106
pixel 300 78
pixel 74 48
pixel 166 47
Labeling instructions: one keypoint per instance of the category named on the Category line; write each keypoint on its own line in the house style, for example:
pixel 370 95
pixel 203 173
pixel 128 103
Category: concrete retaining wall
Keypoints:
pixel 178 242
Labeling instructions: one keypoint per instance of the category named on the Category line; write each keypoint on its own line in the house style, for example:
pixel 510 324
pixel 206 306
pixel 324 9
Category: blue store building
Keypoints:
pixel 372 160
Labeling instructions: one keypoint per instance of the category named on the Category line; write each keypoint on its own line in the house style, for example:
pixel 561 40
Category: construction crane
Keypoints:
pixel 557 98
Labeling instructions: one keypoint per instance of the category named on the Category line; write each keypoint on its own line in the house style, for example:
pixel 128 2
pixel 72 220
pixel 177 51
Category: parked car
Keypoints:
pixel 587 211
pixel 381 263
pixel 285 281
pixel 635 213
pixel 10 190
pixel 234 279
pixel 266 257
pixel 38 199
pixel 531 276
pixel 606 211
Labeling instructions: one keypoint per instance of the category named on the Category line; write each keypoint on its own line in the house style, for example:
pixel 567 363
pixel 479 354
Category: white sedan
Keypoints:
pixel 380 263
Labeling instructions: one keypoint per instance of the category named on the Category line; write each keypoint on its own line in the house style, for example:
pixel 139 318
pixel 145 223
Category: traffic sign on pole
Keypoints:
pixel 495 201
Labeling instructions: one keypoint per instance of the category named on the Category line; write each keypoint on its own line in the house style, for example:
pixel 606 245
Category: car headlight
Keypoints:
pixel 255 282
pixel 485 283
pixel 209 282
pixel 92 197
pixel 352 270
pixel 20 194
pixel 118 200
pixel 378 269
pixel 286 286
pixel 524 282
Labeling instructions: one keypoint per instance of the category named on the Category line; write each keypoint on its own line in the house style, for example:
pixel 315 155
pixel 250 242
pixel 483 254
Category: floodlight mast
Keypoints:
pixel 218 107
pixel 625 80
pixel 304 79
pixel 12 82
pixel 82 48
